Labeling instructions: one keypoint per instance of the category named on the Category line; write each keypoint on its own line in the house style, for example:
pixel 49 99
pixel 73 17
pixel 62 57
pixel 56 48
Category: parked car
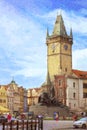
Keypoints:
pixel 81 123
pixel 3 119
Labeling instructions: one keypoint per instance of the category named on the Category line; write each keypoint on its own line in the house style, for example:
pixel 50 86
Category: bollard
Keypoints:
pixel 23 125
pixel 11 125
pixel 41 123
pixel 27 125
pixel 17 125
pixel 3 125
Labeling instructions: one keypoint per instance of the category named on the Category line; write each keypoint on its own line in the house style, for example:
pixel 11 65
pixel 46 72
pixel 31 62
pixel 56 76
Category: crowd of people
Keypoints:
pixel 74 116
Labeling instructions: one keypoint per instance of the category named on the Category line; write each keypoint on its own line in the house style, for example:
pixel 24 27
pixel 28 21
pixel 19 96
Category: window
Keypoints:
pixel 84 90
pixel 85 85
pixel 84 95
pixel 60 92
pixel 70 105
pixel 74 105
pixel 74 95
pixel 59 82
pixel 73 84
pixel 0 100
pixel 65 69
pixel 4 101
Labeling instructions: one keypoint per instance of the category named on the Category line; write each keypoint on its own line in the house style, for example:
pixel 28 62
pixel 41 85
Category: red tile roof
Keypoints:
pixel 80 74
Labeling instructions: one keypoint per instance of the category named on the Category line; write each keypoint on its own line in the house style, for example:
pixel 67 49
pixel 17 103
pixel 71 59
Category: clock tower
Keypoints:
pixel 59 50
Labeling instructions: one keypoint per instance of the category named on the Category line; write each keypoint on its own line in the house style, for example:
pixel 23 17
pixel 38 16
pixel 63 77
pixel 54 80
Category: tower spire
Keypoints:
pixel 59 27
pixel 71 35
pixel 47 33
pixel 48 79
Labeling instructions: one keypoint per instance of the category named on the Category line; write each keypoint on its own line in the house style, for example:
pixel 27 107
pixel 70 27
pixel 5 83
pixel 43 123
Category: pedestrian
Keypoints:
pixel 57 116
pixel 75 117
pixel 9 117
pixel 64 117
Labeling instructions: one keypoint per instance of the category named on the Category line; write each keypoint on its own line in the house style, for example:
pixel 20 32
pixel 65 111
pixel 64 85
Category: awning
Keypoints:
pixel 4 109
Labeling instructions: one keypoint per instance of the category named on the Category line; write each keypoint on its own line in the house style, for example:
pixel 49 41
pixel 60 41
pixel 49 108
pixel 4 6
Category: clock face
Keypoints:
pixel 65 47
pixel 53 47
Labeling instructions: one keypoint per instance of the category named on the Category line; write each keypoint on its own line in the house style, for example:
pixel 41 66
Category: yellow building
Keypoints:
pixel 33 95
pixel 23 100
pixel 10 97
pixel 3 96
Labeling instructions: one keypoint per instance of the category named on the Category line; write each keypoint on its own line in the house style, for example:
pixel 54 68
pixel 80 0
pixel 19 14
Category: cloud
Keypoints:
pixel 23 44
pixel 79 59
pixel 22 40
pixel 73 19
pixel 30 72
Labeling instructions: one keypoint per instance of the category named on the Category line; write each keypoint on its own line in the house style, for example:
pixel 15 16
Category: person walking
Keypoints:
pixel 57 117
pixel 9 117
pixel 75 117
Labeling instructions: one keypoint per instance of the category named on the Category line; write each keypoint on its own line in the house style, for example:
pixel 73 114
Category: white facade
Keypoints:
pixel 74 94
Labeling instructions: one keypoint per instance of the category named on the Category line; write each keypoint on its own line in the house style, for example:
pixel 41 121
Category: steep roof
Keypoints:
pixel 59 27
pixel 80 74
pixel 48 81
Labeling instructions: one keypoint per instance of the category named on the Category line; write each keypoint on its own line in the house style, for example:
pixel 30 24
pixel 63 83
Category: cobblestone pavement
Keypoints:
pixel 58 125
pixel 67 129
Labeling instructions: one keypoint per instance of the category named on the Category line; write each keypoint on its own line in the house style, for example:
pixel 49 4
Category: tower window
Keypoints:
pixel 0 100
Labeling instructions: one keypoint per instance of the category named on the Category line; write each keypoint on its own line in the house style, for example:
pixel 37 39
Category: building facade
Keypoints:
pixel 70 85
pixel 33 95
pixel 67 85
pixel 14 98
pixel 59 49
pixel 3 96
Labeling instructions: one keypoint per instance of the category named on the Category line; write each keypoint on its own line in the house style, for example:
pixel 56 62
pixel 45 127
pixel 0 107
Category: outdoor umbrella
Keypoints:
pixel 3 109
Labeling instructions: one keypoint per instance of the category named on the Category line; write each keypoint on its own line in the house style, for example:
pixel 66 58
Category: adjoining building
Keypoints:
pixel 14 98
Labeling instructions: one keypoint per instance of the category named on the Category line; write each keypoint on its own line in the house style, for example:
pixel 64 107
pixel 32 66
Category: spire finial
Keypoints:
pixel 47 33
pixel 12 77
pixel 71 35
pixel 57 13
pixel 60 12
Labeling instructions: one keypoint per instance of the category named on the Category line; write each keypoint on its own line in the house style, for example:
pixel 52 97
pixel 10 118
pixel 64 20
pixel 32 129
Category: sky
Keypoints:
pixel 23 26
